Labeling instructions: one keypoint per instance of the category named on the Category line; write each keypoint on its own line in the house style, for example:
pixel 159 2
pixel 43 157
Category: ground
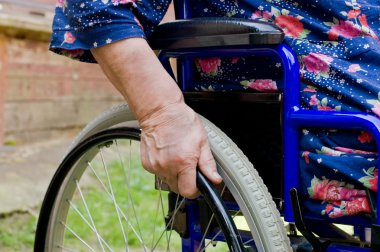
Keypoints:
pixel 25 174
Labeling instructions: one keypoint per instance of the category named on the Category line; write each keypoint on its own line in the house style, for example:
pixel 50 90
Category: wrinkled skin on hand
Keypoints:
pixel 173 144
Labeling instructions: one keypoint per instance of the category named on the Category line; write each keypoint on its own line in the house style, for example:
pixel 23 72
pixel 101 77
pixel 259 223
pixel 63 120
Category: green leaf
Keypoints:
pixel 372 102
pixel 365 29
pixel 304 33
pixel 343 13
pixel 338 108
pixel 324 101
pixel 310 191
pixel 275 12
pixel 285 12
pixel 328 23
pixel 371 170
pixel 348 3
pixel 335 20
pixel 244 83
pixel 324 75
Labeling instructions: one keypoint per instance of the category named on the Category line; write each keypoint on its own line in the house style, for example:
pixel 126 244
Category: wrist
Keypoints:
pixel 166 115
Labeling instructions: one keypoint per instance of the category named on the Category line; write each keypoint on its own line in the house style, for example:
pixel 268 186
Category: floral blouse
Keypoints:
pixel 337 44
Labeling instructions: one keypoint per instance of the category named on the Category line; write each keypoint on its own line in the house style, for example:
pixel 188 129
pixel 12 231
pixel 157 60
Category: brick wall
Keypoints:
pixel 43 94
pixel 46 93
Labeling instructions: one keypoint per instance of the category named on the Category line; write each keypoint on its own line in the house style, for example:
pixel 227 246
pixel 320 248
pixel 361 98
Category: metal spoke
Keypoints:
pixel 89 214
pixel 163 210
pixel 129 193
pixel 169 222
pixel 155 220
pixel 125 176
pixel 122 213
pixel 171 226
pixel 113 197
pixel 251 240
pixel 77 236
pixel 209 223
pixel 218 233
pixel 86 221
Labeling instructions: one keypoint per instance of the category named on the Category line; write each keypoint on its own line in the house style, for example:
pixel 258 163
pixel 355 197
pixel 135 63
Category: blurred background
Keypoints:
pixel 44 100
pixel 42 95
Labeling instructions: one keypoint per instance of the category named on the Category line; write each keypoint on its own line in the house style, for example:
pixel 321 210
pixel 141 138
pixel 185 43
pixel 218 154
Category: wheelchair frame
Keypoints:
pixel 294 118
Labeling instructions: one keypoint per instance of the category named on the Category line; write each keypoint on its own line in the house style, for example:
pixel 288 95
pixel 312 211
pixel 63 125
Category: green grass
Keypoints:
pixel 102 209
pixel 17 232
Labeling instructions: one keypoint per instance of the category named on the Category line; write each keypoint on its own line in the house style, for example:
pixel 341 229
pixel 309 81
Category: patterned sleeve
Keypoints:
pixel 81 25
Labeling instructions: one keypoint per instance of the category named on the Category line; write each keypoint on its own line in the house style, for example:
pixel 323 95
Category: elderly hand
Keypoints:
pixel 173 144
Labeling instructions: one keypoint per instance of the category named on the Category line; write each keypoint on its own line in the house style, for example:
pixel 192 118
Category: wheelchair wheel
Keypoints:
pixel 101 199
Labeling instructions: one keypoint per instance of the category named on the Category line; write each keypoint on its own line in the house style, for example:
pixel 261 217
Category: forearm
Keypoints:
pixel 135 71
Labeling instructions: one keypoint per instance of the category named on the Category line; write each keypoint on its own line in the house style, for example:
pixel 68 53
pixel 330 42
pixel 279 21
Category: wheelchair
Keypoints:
pixel 101 199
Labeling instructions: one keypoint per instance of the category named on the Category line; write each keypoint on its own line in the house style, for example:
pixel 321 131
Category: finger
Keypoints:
pixel 173 184
pixel 187 183
pixel 207 165
pixel 144 155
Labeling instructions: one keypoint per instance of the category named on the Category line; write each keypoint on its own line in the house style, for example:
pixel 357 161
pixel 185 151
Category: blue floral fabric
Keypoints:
pixel 337 44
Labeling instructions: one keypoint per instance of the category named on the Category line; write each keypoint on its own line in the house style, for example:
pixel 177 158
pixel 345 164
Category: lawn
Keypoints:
pixel 116 224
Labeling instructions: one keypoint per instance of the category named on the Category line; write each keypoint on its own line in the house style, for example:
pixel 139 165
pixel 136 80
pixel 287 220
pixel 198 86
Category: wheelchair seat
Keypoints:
pixel 214 32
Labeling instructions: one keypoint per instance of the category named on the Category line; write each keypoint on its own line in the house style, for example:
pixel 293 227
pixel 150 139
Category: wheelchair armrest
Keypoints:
pixel 214 32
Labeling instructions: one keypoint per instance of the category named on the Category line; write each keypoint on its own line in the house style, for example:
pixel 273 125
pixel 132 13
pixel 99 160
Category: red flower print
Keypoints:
pixel 353 151
pixel 354 68
pixel 313 100
pixel 267 15
pixel 292 26
pixel 117 2
pixel 305 155
pixel 310 90
pixel 329 208
pixel 234 60
pixel 363 20
pixel 73 53
pixel 261 14
pixel 345 29
pixel 370 180
pixel 325 108
pixel 138 23
pixel 365 137
pixel 208 66
pixel 356 206
pixel 336 213
pixel 69 38
pixel 373 181
pixel 376 109
pixel 256 15
pixel 60 3
pixel 264 85
pixel 317 63
pixel 353 13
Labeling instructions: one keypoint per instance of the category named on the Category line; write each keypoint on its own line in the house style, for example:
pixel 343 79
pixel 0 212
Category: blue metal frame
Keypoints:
pixel 294 117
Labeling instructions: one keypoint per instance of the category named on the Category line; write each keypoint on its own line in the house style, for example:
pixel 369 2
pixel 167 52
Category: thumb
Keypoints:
pixel 207 165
